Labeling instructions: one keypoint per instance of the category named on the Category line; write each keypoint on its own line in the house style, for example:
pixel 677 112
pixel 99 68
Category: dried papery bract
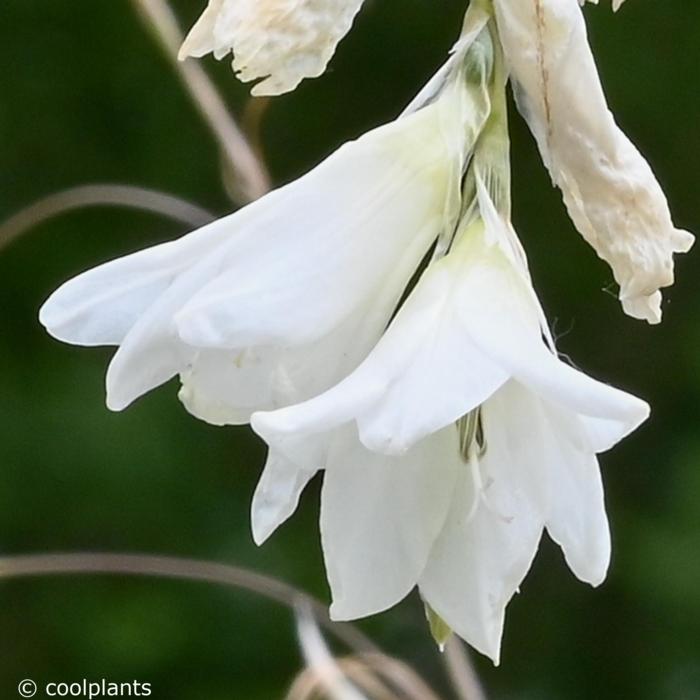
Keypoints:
pixel 609 189
pixel 279 42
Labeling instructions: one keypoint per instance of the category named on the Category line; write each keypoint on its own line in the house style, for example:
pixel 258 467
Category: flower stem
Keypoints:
pixel 251 172
pixel 101 195
pixel 460 669
pixel 31 565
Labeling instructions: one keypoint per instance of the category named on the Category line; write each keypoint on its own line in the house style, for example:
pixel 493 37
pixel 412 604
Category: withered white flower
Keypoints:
pixel 274 303
pixel 279 41
pixel 609 189
pixel 451 447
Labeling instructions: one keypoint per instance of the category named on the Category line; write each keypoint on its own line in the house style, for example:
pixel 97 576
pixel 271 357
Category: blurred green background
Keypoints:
pixel 88 97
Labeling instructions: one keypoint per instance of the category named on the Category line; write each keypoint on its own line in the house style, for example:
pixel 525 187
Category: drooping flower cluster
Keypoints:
pixel 450 433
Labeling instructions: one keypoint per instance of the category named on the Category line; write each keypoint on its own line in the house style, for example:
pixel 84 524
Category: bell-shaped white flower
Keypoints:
pixel 279 41
pixel 273 304
pixel 609 189
pixel 409 499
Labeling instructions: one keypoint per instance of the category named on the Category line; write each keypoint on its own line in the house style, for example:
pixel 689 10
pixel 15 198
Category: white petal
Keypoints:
pixel 538 469
pixel 282 41
pixel 428 369
pixel 374 205
pixel 515 341
pixel 136 300
pixel 424 374
pixel 223 387
pixel 379 518
pixel 551 447
pixel 481 557
pixel 100 306
pixel 577 520
pixel 471 323
pixel 277 495
pixel 605 433
pixel 151 353
pixel 609 189
pixel 227 386
pixel 615 413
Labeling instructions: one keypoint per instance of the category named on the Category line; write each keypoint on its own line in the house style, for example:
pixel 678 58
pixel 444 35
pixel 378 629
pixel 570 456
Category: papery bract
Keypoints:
pixel 609 189
pixel 279 42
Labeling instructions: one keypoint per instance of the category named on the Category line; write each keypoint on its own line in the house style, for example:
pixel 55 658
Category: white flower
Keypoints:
pixel 282 41
pixel 276 302
pixel 407 500
pixel 609 189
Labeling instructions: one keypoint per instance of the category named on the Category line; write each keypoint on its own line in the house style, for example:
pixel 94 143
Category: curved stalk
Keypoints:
pixel 252 175
pixel 32 565
pixel 101 195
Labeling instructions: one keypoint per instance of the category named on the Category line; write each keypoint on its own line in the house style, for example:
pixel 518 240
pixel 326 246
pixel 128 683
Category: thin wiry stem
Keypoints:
pixel 320 660
pixel 460 669
pixel 254 180
pixel 374 674
pixel 380 676
pixel 109 195
pixel 307 685
pixel 30 565
pixel 400 676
